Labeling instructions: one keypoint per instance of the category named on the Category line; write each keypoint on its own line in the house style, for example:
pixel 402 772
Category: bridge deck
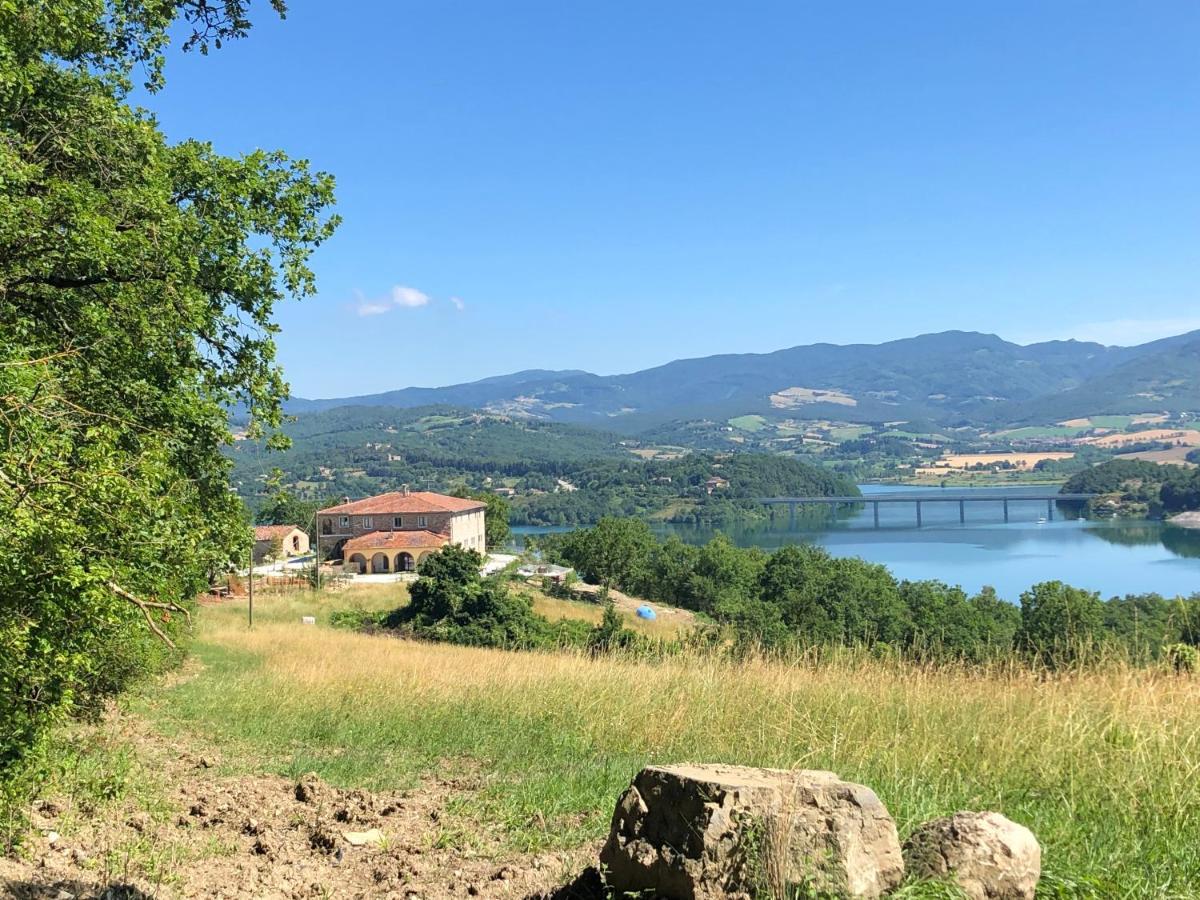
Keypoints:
pixel 929 498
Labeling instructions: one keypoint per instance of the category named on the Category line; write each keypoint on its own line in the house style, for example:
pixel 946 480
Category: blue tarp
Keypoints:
pixel 645 612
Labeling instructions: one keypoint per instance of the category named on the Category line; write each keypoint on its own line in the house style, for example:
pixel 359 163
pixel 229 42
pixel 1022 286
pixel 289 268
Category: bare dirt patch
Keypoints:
pixel 790 398
pixel 209 834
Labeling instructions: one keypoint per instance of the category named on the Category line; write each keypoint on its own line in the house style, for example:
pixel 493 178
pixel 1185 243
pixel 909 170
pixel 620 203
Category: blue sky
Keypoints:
pixel 612 185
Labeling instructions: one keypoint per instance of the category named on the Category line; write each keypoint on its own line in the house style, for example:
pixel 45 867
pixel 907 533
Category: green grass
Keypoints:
pixel 1044 431
pixel 1100 765
pixel 849 432
pixel 1118 422
pixel 749 423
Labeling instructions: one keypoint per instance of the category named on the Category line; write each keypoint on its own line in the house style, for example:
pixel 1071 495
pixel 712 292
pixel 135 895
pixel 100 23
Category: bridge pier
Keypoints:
pixel 1050 510
pixel 876 505
pixel 962 511
pixel 918 502
pixel 1005 509
pixel 791 517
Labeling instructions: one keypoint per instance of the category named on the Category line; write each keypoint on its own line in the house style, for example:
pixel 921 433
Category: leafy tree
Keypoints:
pixel 614 553
pixel 997 621
pixel 452 602
pixel 284 508
pixel 138 282
pixel 1059 624
pixel 943 621
pixel 610 634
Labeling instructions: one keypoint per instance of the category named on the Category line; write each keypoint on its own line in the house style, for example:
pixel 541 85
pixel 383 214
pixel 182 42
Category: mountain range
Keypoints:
pixel 952 377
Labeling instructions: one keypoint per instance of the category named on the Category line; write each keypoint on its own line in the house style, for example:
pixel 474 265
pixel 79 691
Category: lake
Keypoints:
pixel 1112 556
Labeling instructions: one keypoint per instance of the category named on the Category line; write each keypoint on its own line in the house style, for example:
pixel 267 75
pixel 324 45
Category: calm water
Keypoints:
pixel 1113 557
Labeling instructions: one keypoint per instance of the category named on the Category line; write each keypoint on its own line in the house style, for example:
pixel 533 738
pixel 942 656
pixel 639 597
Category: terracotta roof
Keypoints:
pixel 395 540
pixel 270 532
pixel 398 502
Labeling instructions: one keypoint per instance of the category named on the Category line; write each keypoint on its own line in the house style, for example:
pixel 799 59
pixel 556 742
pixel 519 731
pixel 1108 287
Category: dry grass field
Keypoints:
pixel 1183 436
pixel 1102 765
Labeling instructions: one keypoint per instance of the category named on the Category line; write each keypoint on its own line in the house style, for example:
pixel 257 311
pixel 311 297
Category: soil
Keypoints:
pixel 218 835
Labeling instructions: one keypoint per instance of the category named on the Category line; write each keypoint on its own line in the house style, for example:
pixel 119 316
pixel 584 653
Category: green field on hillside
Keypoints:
pixel 749 423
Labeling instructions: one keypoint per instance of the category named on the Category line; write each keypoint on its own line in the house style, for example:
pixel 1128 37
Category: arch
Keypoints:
pixel 379 563
pixel 424 556
pixel 359 561
pixel 405 562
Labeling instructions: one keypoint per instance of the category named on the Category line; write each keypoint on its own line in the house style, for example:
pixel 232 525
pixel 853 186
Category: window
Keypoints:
pixel 420 521
pixel 345 521
pixel 366 520
pixel 397 522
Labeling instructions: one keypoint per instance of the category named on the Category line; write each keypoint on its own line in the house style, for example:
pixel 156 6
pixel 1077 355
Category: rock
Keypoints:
pixel 988 856
pixel 708 831
pixel 362 838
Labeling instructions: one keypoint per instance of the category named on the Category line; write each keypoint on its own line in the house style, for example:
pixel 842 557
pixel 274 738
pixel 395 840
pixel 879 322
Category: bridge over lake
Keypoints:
pixel 917 499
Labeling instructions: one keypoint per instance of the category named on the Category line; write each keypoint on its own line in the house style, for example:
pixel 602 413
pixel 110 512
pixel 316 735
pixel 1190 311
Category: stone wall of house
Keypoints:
pixel 355 525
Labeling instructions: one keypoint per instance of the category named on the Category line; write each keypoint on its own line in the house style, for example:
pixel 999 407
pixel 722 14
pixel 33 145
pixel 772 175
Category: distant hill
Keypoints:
pixel 951 377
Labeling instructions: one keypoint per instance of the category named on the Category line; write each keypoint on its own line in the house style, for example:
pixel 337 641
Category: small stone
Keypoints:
pixel 52 837
pixel 988 856
pixel 506 873
pixel 361 838
pixel 139 821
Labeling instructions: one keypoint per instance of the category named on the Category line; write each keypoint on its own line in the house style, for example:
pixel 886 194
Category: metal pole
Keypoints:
pixel 317 558
pixel 250 589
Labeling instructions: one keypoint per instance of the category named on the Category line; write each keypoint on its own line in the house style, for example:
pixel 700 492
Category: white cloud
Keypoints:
pixel 1128 332
pixel 409 297
pixel 458 303
pixel 402 297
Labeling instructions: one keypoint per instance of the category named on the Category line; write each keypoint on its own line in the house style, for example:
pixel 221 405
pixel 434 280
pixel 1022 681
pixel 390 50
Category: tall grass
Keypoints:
pixel 1101 764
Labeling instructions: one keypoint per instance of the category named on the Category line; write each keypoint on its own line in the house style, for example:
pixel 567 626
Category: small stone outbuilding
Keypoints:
pixel 279 542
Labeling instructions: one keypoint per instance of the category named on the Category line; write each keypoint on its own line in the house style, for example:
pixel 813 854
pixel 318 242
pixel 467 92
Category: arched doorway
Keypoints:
pixel 405 562
pixel 379 563
pixel 360 562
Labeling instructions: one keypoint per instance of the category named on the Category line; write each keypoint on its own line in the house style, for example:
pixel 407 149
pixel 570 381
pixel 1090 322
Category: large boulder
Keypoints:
pixel 988 856
pixel 705 831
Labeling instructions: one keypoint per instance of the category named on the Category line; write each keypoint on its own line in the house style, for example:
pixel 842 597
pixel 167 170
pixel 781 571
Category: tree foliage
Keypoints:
pixel 138 282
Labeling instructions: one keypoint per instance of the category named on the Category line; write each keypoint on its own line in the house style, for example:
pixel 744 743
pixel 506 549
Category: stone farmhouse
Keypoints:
pixel 280 541
pixel 393 532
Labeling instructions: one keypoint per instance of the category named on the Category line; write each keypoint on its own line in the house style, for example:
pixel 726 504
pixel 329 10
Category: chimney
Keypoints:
pixel 346 499
pixel 404 490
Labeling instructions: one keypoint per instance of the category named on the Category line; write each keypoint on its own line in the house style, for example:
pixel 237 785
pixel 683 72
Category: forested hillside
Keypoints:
pixel 555 474
pixel 1129 487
